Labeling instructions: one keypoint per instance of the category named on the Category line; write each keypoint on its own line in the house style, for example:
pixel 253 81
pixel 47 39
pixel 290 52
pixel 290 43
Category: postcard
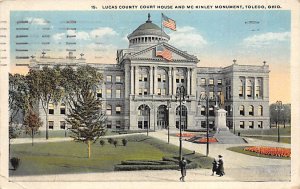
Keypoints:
pixel 154 94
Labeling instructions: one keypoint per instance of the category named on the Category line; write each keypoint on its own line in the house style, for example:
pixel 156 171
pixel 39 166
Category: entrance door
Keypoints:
pixel 162 117
pixel 183 117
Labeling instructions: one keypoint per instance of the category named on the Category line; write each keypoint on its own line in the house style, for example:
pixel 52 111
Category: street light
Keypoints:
pixel 180 94
pixel 205 97
pixel 278 108
pixel 168 108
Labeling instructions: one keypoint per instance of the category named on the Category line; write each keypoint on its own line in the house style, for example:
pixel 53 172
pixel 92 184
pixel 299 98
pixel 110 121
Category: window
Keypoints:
pixel 211 124
pixel 251 125
pixel 203 124
pixel 140 124
pixel 203 81
pixel 140 91
pixel 118 79
pixel 241 91
pixel 260 111
pixel 108 110
pixel 108 124
pixel 182 79
pixel 211 81
pixel 251 110
pixel 242 124
pixel 118 124
pixel 219 81
pixel 163 91
pixel 108 93
pixel 145 77
pixel 177 78
pixel 63 109
pixel 140 77
pixel 118 93
pixel 211 111
pixel 158 91
pixel 51 124
pixel 242 110
pixel 99 93
pixel 118 109
pixel 145 91
pixel 108 78
pixel 249 91
pixel 159 78
pixel 62 125
pixel 257 91
pixel 203 110
pixel 164 78
pixel 260 124
pixel 51 109
pixel 211 94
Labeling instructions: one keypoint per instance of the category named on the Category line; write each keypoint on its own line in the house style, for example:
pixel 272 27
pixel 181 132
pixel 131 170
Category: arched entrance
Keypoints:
pixel 143 116
pixel 183 117
pixel 162 117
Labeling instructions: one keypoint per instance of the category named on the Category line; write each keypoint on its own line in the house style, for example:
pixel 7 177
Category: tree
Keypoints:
pixel 86 118
pixel 284 116
pixel 18 103
pixel 32 123
pixel 44 86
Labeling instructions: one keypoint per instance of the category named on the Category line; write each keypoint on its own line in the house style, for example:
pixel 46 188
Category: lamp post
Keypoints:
pixel 180 94
pixel 205 97
pixel 278 108
pixel 168 108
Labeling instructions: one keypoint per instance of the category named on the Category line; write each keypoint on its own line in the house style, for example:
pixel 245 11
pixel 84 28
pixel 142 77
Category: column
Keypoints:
pixel 155 80
pixel 245 88
pixel 188 82
pixel 254 88
pixel 174 81
pixel 170 81
pixel 193 82
pixel 132 80
pixel 136 78
pixel 151 80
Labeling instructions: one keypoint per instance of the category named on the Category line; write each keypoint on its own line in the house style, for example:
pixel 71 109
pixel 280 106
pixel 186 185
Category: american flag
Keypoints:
pixel 168 22
pixel 163 52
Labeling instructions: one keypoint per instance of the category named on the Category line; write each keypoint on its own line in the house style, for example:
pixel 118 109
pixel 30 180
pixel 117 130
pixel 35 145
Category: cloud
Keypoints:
pixel 99 33
pixel 266 39
pixel 103 32
pixel 37 21
pixel 187 38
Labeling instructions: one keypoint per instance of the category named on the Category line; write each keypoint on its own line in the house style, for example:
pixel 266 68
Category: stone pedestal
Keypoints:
pixel 220 120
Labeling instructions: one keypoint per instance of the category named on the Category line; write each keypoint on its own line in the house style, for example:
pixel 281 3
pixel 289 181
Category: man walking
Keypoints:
pixel 182 165
pixel 220 170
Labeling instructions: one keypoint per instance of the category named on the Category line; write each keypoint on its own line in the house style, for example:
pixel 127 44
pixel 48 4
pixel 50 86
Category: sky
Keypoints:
pixel 215 37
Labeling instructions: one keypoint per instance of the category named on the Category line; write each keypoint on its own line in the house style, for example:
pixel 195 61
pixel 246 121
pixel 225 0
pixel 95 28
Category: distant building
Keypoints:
pixel 139 91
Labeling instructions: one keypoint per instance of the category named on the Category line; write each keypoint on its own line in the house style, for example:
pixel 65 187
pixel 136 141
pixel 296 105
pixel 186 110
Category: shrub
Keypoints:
pixel 124 142
pixel 102 142
pixel 110 140
pixel 15 162
pixel 115 143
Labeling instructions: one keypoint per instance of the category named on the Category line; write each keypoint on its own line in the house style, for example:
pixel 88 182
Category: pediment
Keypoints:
pixel 151 54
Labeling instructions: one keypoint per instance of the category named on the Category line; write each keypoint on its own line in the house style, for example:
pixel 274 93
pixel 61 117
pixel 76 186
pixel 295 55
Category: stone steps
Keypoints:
pixel 226 137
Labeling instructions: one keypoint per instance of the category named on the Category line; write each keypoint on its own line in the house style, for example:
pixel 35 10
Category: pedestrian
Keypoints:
pixel 182 165
pixel 214 167
pixel 220 169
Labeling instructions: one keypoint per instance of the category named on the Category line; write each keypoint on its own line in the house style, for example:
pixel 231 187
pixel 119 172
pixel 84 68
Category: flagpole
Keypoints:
pixel 161 27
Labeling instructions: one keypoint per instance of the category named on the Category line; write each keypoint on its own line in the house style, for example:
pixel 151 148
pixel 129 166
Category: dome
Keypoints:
pixel 147 34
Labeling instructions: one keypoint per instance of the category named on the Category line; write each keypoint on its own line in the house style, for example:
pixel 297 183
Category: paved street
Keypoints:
pixel 238 167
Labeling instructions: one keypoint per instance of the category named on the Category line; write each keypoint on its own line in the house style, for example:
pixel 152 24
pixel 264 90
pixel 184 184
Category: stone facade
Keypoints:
pixel 140 90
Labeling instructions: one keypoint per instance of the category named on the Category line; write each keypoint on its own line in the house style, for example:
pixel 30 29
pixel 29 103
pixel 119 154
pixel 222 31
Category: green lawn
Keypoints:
pixel 240 149
pixel 273 138
pixel 273 131
pixel 71 157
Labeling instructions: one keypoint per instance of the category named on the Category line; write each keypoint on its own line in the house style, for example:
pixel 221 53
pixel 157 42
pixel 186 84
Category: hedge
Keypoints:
pixel 147 162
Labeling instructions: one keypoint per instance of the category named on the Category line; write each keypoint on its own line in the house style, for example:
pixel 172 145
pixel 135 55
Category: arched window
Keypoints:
pixel 251 110
pixel 242 110
pixel 203 110
pixel 260 111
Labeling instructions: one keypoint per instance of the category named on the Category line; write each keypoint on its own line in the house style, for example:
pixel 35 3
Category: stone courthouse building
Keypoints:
pixel 139 92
